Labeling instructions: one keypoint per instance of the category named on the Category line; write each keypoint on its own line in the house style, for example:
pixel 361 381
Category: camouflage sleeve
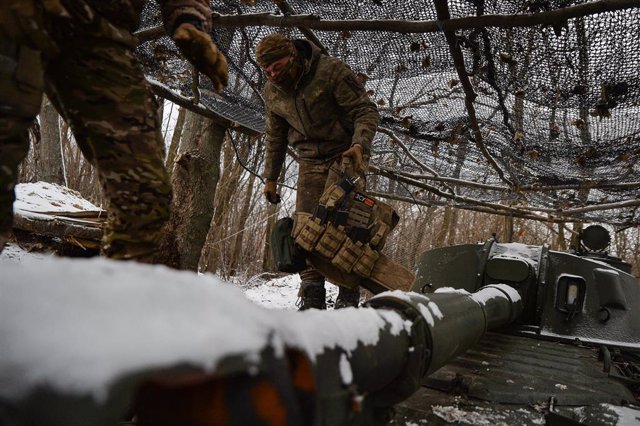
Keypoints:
pixel 176 12
pixel 361 111
pixel 276 133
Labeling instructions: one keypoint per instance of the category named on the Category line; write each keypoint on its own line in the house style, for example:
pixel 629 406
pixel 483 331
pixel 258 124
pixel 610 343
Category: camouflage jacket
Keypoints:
pixel 327 113
pixel 22 20
pixel 127 12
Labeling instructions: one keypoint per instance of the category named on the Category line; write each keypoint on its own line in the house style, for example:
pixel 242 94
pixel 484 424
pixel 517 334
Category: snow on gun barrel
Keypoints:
pixel 167 347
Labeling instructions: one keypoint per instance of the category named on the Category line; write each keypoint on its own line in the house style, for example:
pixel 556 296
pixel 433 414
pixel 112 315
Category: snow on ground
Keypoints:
pixel 277 293
pixel 15 253
pixel 43 197
pixel 281 293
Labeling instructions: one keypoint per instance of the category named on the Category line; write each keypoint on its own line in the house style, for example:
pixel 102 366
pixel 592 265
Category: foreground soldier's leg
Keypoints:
pixel 20 98
pixel 102 92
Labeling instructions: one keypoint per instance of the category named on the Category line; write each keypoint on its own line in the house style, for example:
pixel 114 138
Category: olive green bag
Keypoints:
pixel 286 256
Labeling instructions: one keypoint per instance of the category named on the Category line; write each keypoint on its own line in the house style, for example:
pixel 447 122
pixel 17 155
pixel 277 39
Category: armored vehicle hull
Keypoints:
pixel 572 357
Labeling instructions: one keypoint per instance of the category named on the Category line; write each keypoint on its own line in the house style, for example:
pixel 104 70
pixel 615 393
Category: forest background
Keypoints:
pixel 223 222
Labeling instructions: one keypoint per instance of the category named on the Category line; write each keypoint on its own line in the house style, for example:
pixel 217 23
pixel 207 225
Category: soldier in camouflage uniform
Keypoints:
pixel 81 53
pixel 317 105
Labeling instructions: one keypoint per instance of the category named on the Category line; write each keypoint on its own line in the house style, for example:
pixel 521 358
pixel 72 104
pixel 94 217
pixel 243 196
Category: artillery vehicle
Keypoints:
pixel 491 334
pixel 572 356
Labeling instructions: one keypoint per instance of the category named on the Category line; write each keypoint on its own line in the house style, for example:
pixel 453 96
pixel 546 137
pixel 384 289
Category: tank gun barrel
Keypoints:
pixel 359 383
pixel 452 321
pixel 227 361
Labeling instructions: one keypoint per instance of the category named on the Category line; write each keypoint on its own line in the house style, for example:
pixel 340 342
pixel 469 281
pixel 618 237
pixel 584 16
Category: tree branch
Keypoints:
pixel 458 59
pixel 437 178
pixel 313 22
pixel 163 91
pixel 288 11
pixel 436 191
pixel 404 148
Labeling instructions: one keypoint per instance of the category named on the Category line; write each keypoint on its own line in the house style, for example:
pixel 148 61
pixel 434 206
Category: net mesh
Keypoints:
pixel 556 105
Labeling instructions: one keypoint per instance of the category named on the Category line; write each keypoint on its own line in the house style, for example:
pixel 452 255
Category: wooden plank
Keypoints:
pixel 386 275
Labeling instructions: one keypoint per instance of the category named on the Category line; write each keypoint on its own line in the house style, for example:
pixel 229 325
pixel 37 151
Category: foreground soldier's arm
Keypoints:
pixel 189 24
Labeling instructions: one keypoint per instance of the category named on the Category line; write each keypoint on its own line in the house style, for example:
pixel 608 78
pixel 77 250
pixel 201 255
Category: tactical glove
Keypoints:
pixel 357 160
pixel 270 193
pixel 198 48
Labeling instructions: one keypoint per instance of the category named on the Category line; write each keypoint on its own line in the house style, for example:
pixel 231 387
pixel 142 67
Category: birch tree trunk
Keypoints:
pixel 236 258
pixel 175 140
pixel 49 155
pixel 444 227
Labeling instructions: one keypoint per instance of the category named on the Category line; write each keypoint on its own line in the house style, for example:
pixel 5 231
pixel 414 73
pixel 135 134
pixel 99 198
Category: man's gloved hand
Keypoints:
pixel 270 193
pixel 198 48
pixel 355 154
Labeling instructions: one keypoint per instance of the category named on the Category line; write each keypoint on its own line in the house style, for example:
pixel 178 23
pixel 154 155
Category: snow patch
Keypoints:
pixel 485 294
pixel 452 414
pixel 397 294
pixel 435 310
pixel 345 370
pixel 426 313
pixel 44 197
pixel 525 252
pixel 627 416
pixel 396 323
pixel 282 293
pixel 451 290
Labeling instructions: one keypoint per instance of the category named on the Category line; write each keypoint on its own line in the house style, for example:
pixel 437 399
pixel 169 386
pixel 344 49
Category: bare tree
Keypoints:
pixel 194 179
pixel 175 139
pixel 50 167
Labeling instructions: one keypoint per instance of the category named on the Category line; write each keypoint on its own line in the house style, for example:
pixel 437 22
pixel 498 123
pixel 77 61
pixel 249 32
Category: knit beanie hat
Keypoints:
pixel 273 47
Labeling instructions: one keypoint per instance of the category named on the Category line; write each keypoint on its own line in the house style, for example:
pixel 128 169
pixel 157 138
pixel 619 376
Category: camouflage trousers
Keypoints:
pixel 87 67
pixel 313 179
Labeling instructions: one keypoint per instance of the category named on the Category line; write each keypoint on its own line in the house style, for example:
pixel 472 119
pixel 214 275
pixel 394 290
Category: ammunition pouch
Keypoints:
pixel 310 233
pixel 331 241
pixel 286 256
pixel 347 228
pixel 366 262
pixel 348 255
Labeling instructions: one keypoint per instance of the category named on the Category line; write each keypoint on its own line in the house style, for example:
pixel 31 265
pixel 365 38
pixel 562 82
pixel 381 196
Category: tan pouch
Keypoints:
pixel 299 221
pixel 310 234
pixel 379 236
pixel 348 255
pixel 332 196
pixel 366 262
pixel 331 241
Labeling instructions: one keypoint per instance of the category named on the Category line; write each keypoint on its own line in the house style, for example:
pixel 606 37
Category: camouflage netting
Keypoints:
pixel 557 105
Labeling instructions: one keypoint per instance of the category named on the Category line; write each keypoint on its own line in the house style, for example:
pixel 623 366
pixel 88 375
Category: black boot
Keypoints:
pixel 312 296
pixel 348 297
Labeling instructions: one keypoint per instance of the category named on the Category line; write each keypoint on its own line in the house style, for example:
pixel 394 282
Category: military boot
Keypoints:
pixel 348 297
pixel 312 296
